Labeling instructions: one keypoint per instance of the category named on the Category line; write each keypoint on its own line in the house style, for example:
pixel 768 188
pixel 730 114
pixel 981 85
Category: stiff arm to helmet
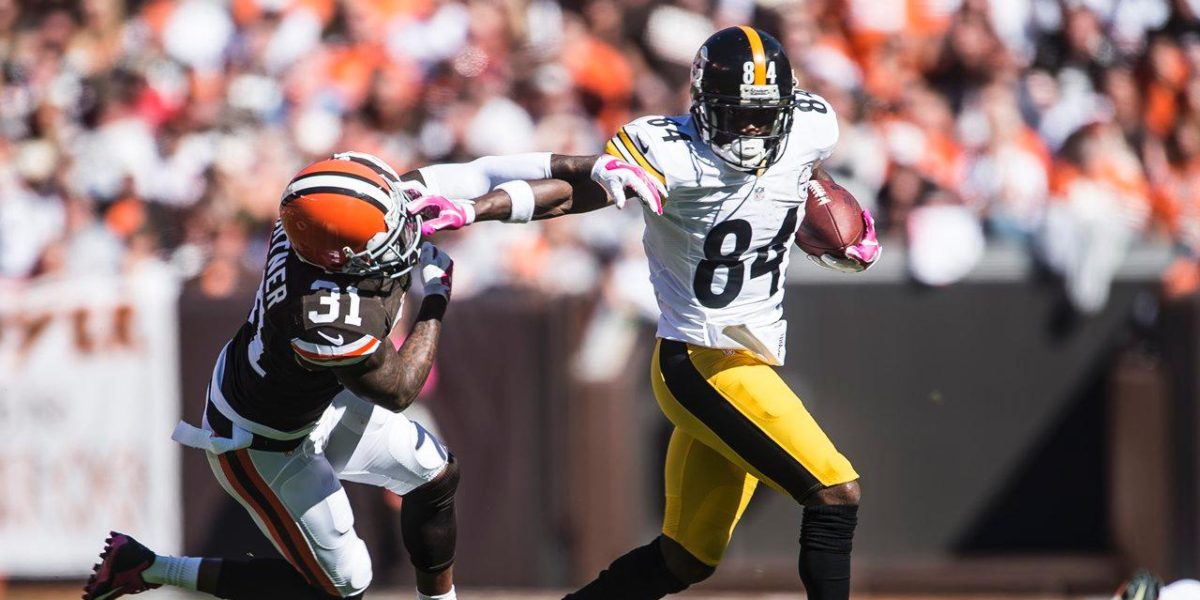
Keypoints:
pixel 346 215
pixel 571 184
pixel 461 181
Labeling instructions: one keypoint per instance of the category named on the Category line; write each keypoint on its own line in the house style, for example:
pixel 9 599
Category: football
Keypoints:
pixel 832 220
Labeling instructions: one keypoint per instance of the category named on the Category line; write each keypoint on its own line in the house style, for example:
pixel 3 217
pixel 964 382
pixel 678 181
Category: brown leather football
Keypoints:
pixel 832 220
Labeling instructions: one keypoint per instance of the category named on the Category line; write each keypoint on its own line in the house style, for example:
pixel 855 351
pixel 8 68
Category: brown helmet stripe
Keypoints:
pixel 333 190
pixel 340 174
pixel 339 182
pixel 384 173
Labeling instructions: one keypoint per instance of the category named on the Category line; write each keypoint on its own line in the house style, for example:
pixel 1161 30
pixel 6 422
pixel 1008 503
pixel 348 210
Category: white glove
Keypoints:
pixel 615 175
pixel 436 270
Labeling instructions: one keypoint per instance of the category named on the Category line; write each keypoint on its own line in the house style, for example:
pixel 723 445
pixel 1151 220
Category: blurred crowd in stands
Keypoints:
pixel 167 128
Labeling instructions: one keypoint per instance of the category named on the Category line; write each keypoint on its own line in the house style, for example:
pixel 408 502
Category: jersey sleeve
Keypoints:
pixel 339 327
pixel 815 118
pixel 633 144
pixel 480 176
pixel 328 347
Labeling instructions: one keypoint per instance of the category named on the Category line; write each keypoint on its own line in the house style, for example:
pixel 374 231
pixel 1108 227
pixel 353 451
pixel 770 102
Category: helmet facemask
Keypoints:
pixel 391 253
pixel 394 252
pixel 747 134
pixel 743 97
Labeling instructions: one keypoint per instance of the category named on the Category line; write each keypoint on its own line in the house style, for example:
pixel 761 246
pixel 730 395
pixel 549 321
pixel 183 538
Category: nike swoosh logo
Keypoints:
pixel 337 341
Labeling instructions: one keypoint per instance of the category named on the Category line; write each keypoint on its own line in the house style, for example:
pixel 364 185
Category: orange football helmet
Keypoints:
pixel 345 214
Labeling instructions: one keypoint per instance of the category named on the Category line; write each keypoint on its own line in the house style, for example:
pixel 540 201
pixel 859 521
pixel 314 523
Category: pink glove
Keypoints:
pixel 615 175
pixel 441 213
pixel 860 256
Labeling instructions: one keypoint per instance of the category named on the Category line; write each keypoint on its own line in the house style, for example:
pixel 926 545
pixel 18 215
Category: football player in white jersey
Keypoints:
pixel 737 170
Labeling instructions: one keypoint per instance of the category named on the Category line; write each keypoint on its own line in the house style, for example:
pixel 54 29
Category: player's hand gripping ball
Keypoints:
pixel 837 233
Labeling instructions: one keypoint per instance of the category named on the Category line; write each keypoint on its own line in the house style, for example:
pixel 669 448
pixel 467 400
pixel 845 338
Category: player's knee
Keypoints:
pixel 351 574
pixel 688 569
pixel 427 521
pixel 440 490
pixel 837 495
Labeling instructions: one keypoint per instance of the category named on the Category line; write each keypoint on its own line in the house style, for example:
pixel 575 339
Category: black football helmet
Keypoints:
pixel 743 96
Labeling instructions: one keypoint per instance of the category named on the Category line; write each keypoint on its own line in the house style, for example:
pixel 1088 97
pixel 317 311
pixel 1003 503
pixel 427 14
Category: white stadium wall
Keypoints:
pixel 88 396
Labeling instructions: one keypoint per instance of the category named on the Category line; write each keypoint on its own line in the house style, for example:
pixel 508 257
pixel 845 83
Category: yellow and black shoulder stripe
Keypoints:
pixel 625 148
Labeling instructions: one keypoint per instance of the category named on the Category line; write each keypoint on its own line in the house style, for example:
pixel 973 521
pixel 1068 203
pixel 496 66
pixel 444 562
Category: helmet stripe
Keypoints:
pixel 367 180
pixel 760 56
pixel 372 162
pixel 310 189
pixel 322 183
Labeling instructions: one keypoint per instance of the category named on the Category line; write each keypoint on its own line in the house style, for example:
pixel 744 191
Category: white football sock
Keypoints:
pixel 447 596
pixel 181 571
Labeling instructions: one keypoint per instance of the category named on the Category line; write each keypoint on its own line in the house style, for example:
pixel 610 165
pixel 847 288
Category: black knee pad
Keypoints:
pixel 829 528
pixel 427 521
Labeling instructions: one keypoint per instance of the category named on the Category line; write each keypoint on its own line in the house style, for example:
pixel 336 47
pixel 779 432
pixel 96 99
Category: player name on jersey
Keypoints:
pixel 275 282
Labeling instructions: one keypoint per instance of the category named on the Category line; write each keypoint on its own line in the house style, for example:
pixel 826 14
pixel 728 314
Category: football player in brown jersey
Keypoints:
pixel 309 392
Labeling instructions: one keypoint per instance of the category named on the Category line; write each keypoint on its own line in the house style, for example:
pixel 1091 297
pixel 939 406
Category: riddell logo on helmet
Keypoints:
pixel 760 92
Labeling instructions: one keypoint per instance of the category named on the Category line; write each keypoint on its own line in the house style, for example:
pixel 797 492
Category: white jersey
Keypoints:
pixel 719 252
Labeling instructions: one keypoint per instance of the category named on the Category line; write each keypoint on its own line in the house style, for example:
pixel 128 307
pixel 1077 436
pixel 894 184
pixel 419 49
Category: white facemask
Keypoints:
pixel 749 153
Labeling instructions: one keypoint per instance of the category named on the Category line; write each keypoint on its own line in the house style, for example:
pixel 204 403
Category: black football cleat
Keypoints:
pixel 120 569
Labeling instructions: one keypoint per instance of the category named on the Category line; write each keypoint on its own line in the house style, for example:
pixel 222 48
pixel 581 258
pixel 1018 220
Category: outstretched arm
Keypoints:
pixel 565 185
pixel 573 190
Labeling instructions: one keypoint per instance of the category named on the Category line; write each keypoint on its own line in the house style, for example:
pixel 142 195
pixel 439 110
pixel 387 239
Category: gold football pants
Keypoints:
pixel 736 423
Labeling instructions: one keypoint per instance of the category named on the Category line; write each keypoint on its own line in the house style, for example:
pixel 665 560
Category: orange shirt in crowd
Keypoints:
pixel 1176 199
pixel 942 161
pixel 602 70
pixel 1171 74
pixel 870 23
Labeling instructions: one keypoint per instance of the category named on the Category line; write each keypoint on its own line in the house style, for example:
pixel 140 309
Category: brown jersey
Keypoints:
pixel 304 322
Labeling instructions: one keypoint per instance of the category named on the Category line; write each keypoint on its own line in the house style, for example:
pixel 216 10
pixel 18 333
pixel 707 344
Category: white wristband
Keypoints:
pixel 521 194
pixel 468 208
